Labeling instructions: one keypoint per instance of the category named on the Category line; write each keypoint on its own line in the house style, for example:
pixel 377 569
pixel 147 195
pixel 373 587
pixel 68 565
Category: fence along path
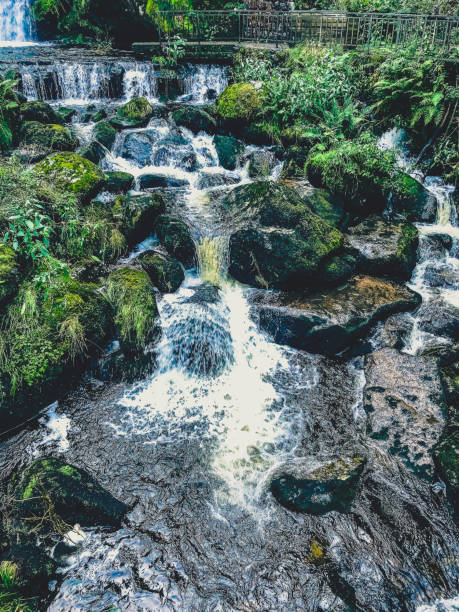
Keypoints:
pixel 352 30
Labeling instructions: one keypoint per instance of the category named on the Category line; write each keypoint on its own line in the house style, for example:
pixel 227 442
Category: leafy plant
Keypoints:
pixel 173 51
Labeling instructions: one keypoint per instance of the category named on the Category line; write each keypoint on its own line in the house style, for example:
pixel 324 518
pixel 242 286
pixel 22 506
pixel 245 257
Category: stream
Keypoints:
pixel 193 446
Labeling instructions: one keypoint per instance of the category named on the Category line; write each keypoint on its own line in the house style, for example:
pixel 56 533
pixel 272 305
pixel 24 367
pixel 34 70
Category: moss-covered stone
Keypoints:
pixel 136 215
pixel 133 298
pixel 75 495
pixel 73 173
pixel 228 151
pixel 137 112
pixel 195 119
pixel 105 134
pixel 39 111
pixel 67 114
pixel 165 273
pixel 413 200
pixel 239 102
pixel 9 274
pixel 33 569
pixel 175 236
pixel 327 206
pixel 47 138
pixel 118 182
pixel 283 243
pixel 101 114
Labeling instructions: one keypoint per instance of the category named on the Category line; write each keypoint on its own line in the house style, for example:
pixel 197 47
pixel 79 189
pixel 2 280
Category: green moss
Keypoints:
pixel 9 273
pixel 195 119
pixel 37 110
pixel 136 215
pixel 228 150
pixel 408 239
pixel 132 296
pixel 49 137
pixel 105 134
pixel 71 173
pixel 239 102
pixel 165 273
pixel 29 491
pixel 68 470
pixel 138 111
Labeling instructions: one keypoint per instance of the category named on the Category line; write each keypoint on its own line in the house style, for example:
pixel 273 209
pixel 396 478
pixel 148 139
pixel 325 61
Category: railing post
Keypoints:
pixel 369 33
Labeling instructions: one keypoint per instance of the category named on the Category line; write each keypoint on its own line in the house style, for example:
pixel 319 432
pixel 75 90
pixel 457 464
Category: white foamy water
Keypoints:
pixel 204 82
pixel 15 22
pixel 443 605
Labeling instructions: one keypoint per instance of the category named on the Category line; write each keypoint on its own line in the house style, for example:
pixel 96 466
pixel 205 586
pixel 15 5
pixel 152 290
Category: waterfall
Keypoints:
pixel 204 82
pixel 15 21
pixel 82 82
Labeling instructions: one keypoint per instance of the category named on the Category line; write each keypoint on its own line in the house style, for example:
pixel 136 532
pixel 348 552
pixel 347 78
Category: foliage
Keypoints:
pixel 443 7
pixel 8 105
pixel 9 598
pixel 173 52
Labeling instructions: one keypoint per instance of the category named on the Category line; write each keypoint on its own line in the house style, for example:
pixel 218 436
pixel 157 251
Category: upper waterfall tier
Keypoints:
pixel 15 21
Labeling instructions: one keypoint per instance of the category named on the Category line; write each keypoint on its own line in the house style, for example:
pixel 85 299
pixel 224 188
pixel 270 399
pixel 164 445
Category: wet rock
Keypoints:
pixel 94 152
pixel 441 275
pixel 437 244
pixel 165 273
pixel 195 119
pixel 440 318
pixel 282 243
pixel 446 457
pixel 118 182
pixel 101 114
pixel 414 201
pixel 38 140
pixel 74 494
pixel 396 331
pixel 72 173
pixel 136 113
pixel 137 215
pixel 34 568
pixel 207 180
pixel 383 248
pixel 175 236
pixel 228 150
pixel 67 114
pixel 404 402
pixel 161 181
pixel 326 205
pixel 261 163
pixel 105 134
pixel 9 274
pixel 330 321
pixel 39 111
pixel 318 488
pixel 137 147
pixel 132 296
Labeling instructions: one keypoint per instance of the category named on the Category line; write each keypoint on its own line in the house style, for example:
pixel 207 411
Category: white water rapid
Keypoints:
pixel 15 23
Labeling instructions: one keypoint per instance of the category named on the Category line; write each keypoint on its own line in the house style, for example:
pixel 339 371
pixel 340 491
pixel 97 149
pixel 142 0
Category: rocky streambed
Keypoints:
pixel 276 429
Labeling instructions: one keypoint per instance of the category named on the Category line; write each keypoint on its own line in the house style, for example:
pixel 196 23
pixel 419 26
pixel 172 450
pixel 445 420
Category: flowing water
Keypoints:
pixel 15 22
pixel 193 446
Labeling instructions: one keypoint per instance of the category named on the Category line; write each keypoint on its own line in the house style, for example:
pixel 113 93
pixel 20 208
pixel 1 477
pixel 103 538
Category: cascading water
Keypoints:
pixel 204 83
pixel 15 21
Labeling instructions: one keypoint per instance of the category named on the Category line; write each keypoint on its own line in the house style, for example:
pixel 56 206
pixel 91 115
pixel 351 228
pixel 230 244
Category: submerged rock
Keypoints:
pixel 176 238
pixel 75 495
pixel 228 150
pixel 207 180
pixel 282 243
pixel 403 399
pixel 72 173
pixel 318 489
pixel 165 273
pixel 329 321
pixel 137 215
pixel 384 248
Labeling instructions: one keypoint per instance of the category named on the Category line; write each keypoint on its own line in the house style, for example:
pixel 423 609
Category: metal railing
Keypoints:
pixel 351 30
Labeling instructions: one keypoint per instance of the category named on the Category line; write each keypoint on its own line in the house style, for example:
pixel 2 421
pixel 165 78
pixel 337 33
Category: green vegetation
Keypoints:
pixel 238 102
pixel 10 601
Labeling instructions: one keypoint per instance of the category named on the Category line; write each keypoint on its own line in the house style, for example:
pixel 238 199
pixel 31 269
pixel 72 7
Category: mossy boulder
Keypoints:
pixel 50 334
pixel 239 103
pixel 318 489
pixel 195 119
pixel 176 238
pixel 9 274
pixel 133 298
pixel 136 113
pixel 326 205
pixel 228 150
pixel 101 114
pixel 105 134
pixel 282 243
pixel 39 111
pixel 67 114
pixel 72 173
pixel 412 200
pixel 43 139
pixel 446 457
pixel 118 182
pixel 75 495
pixel 165 273
pixel 33 570
pixel 136 215
pixel 384 248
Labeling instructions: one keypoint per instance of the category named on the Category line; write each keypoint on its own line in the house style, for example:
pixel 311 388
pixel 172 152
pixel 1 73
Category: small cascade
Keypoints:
pixel 75 82
pixel 15 21
pixel 204 82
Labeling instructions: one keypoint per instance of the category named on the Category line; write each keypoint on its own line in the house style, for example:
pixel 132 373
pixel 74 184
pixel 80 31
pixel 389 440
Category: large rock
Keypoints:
pixel 39 140
pixel 319 487
pixel 165 273
pixel 162 181
pixel 72 173
pixel 228 150
pixel 326 205
pixel 33 568
pixel 39 111
pixel 446 457
pixel 404 402
pixel 195 119
pixel 133 298
pixel 136 215
pixel 440 318
pixel 118 182
pixel 105 134
pixel 239 103
pixel 282 243
pixel 136 113
pixel 75 495
pixel 176 238
pixel 261 162
pixel 383 248
pixel 414 201
pixel 9 274
pixel 329 321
